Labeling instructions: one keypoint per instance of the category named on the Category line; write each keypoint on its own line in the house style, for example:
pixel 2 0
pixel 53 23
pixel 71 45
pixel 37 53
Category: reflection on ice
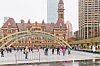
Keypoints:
pixel 83 63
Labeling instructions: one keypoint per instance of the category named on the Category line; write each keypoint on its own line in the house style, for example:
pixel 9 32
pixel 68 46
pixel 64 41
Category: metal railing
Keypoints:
pixel 19 57
pixel 31 56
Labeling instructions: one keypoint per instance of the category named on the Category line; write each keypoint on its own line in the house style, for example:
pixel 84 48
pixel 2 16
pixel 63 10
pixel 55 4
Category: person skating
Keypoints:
pixel 2 52
pixel 26 52
pixel 63 50
pixel 69 50
pixel 52 50
pixel 46 51
pixel 58 51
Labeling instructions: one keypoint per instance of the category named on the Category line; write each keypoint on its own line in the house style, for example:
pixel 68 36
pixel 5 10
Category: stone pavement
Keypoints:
pixel 37 56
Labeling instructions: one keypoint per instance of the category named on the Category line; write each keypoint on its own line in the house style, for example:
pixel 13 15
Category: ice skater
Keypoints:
pixel 2 52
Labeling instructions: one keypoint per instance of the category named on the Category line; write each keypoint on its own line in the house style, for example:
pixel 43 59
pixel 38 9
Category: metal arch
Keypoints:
pixel 12 40
pixel 62 41
pixel 12 36
pixel 29 36
pixel 18 40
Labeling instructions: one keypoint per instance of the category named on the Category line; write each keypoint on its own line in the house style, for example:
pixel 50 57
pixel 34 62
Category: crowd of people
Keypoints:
pixel 58 50
pixel 26 50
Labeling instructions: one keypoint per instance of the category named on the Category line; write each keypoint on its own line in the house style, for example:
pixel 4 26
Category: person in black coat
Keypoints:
pixel 2 52
pixel 52 50
pixel 46 51
pixel 58 51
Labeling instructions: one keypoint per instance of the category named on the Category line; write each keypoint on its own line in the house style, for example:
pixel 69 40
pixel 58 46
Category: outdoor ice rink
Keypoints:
pixel 37 56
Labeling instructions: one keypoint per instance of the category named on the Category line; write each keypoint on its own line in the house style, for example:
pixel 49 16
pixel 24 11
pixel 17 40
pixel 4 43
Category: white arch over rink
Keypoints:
pixel 12 38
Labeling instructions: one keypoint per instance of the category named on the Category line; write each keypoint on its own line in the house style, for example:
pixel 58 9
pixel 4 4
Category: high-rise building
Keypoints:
pixel 69 28
pixel 52 7
pixel 89 18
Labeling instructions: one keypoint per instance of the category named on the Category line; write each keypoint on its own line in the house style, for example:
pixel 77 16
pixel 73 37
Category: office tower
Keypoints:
pixel 69 28
pixel 89 18
pixel 52 7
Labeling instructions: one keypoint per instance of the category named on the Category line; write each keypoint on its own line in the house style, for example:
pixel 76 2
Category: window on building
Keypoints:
pixel 64 36
pixel 5 35
pixel 61 15
pixel 57 34
pixel 9 30
pixel 16 30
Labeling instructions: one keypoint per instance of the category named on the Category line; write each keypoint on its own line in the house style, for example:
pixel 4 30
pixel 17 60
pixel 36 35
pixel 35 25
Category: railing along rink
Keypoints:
pixel 32 56
pixel 18 56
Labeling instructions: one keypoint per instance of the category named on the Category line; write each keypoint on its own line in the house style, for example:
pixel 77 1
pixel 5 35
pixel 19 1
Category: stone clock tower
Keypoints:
pixel 61 10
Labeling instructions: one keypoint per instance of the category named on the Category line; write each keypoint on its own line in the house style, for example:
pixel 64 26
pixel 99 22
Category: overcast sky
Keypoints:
pixel 36 10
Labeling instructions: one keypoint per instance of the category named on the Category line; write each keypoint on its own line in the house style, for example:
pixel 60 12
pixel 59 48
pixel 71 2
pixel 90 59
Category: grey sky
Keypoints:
pixel 36 10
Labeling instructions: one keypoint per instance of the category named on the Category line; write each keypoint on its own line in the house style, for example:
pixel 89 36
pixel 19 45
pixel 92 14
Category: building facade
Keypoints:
pixel 58 29
pixel 70 29
pixel 76 35
pixel 89 19
pixel 52 7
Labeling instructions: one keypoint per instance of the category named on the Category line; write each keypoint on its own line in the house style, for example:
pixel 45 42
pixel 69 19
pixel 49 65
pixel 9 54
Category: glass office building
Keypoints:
pixel 52 14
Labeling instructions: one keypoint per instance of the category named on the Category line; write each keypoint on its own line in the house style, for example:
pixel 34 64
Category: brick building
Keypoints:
pixel 58 29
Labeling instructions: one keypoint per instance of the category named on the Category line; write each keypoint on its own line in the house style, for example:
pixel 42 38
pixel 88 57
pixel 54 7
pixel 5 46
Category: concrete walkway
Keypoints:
pixel 37 56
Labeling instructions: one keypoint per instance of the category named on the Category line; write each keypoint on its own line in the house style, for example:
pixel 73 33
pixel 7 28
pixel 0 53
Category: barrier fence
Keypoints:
pixel 20 57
